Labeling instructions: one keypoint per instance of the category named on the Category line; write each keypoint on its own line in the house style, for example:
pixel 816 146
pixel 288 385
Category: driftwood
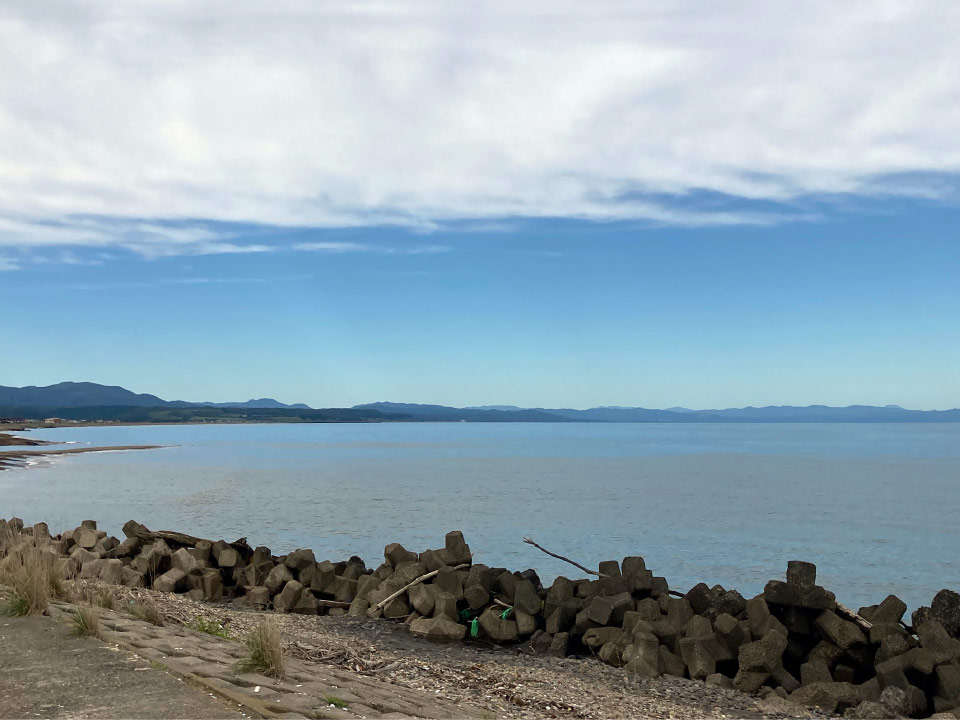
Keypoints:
pixel 501 603
pixel 529 541
pixel 426 576
pixel 167 536
pixel 332 604
pixel 850 615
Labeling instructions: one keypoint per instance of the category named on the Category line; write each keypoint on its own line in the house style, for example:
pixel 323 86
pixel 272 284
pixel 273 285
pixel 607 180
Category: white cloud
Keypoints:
pixel 351 247
pixel 8 264
pixel 322 113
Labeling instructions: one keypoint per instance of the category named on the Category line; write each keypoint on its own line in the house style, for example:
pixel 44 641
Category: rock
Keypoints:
pixel 882 630
pixel 171 581
pixel 132 528
pixel 763 655
pixel 730 632
pixel 698 659
pixel 183 560
pixel 288 597
pixel 211 585
pixel 457 548
pixel 815 671
pixel 395 553
pixel 450 581
pixel 132 578
pixel 561 591
pixel 610 568
pixel 801 574
pixel 597 637
pixel 947 682
pixel 203 552
pixel 829 696
pixel 609 610
pixel 525 598
pixel 526 623
pixel 842 633
pixel 397 608
pixel 438 629
pixel 90 570
pixel 257 574
pixel 111 572
pixel 784 679
pixel 895 701
pixel 559 644
pixel 476 596
pixel 344 589
pixel 228 558
pixel 278 577
pixel 750 682
pixel 496 628
pixel 256 597
pixel 946 608
pixel 890 610
pixel 642 657
pixel 814 598
pixel 868 711
pixel 508 583
pixel 86 538
pixel 306 605
pixel 719 680
pixel 935 639
pixel 563 618
pixel 422 598
pixel 300 559
pixel 445 606
pixel 128 548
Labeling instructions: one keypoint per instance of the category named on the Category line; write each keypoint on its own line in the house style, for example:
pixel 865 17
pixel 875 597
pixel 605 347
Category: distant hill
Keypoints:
pixel 771 414
pixel 58 400
pixel 87 394
pixel 442 413
pixel 75 394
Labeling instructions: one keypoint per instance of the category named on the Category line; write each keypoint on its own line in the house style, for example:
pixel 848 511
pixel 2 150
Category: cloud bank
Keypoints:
pixel 325 114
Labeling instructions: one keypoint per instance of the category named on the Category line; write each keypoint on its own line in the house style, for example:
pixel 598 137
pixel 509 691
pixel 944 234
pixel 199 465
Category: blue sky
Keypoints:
pixel 559 206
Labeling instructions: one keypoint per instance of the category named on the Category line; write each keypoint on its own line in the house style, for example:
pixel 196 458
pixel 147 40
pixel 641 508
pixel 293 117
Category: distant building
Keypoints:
pixel 55 421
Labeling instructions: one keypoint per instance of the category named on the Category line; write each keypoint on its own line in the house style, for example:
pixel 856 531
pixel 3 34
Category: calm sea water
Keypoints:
pixel 877 507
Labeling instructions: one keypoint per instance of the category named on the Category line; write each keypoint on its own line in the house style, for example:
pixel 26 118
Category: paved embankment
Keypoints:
pixel 45 672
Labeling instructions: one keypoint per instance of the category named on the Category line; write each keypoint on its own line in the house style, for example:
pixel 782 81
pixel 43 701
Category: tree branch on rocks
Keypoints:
pixel 426 576
pixel 529 541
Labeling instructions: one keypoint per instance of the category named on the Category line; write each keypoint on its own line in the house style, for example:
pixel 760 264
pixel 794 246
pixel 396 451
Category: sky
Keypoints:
pixel 557 204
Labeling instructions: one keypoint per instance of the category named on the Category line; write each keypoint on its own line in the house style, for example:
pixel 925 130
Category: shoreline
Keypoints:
pixel 792 641
pixel 17 458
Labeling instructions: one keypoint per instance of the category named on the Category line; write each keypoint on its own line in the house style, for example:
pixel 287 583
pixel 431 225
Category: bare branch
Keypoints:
pixel 529 541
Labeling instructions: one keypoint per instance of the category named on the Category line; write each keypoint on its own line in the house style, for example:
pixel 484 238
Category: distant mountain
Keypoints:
pixel 74 394
pixel 442 413
pixel 87 394
pixel 771 414
pixel 261 403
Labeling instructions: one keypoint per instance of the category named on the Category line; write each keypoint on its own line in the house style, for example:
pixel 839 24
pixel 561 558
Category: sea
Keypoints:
pixel 875 506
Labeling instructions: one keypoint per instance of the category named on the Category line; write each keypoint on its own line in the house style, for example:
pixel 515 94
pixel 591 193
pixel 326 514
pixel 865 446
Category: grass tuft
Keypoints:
pixel 86 622
pixel 145 609
pixel 264 651
pixel 210 627
pixel 31 572
pixel 335 701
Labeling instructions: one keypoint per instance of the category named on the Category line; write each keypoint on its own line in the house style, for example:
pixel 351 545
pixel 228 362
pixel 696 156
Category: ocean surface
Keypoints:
pixel 876 507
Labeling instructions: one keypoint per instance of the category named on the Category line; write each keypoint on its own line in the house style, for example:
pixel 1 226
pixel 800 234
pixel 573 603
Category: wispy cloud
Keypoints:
pixel 8 264
pixel 306 115
pixel 336 248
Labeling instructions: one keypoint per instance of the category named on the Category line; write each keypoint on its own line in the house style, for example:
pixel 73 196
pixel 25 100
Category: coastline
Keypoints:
pixel 792 641
pixel 19 458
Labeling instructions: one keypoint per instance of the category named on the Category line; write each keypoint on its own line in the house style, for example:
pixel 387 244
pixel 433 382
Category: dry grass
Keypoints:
pixel 265 651
pixel 145 609
pixel 92 594
pixel 31 573
pixel 86 622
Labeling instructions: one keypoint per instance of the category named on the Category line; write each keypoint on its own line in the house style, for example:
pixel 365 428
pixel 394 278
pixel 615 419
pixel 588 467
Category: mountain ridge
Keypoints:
pixel 68 395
